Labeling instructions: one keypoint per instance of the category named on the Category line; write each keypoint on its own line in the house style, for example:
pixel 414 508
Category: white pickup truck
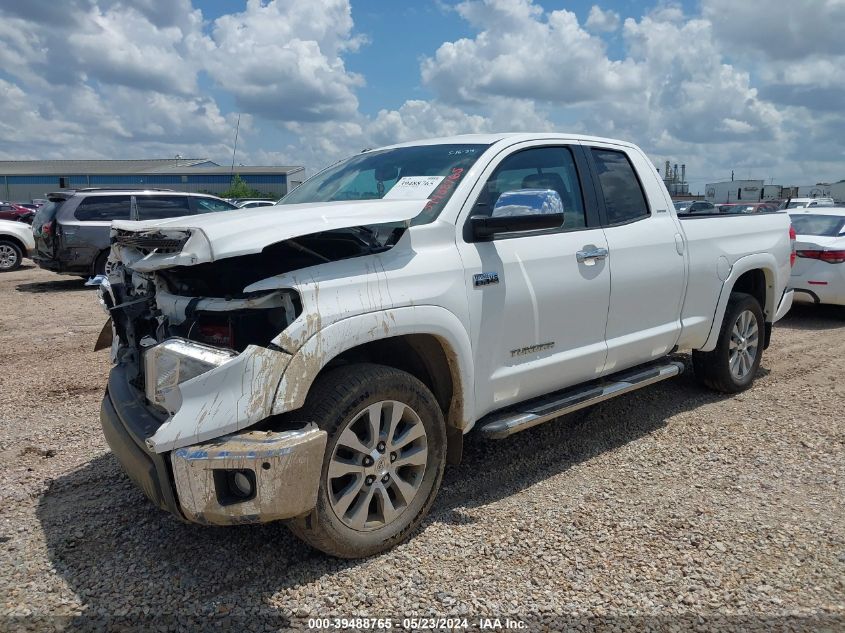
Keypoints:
pixel 320 361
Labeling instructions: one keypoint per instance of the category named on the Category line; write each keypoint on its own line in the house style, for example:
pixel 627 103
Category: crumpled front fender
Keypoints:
pixel 228 398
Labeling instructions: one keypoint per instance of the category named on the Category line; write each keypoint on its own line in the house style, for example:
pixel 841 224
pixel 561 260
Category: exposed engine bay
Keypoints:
pixel 206 302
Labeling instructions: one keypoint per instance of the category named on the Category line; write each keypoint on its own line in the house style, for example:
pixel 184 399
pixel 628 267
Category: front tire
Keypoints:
pixel 731 367
pixel 102 265
pixel 384 459
pixel 11 256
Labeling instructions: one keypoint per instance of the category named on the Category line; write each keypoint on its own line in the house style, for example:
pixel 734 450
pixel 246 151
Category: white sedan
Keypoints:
pixel 819 272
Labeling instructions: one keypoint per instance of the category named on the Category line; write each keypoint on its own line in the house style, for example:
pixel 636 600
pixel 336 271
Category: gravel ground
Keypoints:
pixel 671 507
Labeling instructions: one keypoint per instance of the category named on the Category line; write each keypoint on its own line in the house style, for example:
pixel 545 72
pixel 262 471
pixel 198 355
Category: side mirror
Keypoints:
pixel 519 211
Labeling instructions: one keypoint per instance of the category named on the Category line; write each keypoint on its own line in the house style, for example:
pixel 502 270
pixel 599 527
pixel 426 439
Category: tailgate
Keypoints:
pixel 44 228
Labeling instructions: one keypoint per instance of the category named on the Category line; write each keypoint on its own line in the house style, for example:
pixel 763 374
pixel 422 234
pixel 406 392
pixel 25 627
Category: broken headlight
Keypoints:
pixel 175 361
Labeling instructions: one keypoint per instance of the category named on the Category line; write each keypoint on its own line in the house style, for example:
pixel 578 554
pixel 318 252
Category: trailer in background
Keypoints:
pixel 734 191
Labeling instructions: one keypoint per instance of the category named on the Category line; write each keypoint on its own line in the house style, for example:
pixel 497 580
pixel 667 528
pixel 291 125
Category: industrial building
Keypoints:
pixel 675 180
pixel 23 180
pixel 734 191
pixel 757 190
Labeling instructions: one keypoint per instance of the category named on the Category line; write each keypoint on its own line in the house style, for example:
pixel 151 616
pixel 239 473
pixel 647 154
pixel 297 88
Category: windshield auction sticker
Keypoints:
pixel 413 188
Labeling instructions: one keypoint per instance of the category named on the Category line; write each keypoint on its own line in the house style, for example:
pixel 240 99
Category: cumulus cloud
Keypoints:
pixel 79 122
pixel 798 48
pixel 122 46
pixel 602 21
pixel 672 84
pixel 129 72
pixel 675 90
pixel 324 142
pixel 111 42
pixel 283 60
pixel 523 52
pixel 695 95
pixel 733 85
pixel 795 30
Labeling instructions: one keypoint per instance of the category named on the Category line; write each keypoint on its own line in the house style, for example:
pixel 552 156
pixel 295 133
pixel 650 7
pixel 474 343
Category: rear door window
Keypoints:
pixel 161 207
pixel 624 199
pixel 103 208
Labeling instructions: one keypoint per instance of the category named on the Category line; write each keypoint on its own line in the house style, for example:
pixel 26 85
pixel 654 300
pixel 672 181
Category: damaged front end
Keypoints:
pixel 195 366
pixel 189 409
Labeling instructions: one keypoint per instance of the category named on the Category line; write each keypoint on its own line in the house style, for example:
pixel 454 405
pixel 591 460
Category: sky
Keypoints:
pixel 719 85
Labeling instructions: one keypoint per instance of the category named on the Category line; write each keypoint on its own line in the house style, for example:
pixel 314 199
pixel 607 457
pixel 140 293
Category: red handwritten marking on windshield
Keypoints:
pixel 444 188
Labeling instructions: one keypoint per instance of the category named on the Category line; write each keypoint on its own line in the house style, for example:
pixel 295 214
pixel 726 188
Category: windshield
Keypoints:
pixel 422 172
pixel 797 205
pixel 682 206
pixel 829 225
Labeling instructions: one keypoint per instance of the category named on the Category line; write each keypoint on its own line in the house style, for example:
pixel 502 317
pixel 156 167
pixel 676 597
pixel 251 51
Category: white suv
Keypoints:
pixel 15 243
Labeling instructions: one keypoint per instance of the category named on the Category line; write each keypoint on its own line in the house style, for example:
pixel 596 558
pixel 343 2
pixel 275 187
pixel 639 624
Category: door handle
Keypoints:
pixel 592 254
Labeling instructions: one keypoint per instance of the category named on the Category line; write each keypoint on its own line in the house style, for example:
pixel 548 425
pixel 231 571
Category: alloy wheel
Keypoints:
pixel 377 465
pixel 744 345
pixel 8 257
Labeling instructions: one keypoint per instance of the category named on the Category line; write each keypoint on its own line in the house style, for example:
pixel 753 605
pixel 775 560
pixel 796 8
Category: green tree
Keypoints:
pixel 239 189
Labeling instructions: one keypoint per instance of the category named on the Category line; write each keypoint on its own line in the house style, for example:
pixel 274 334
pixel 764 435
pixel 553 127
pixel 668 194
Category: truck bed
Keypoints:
pixel 714 244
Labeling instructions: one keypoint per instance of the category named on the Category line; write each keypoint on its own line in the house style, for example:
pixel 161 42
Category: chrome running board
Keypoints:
pixel 523 416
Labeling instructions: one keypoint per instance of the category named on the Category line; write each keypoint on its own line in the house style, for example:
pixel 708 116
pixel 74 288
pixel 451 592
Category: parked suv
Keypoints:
pixel 72 230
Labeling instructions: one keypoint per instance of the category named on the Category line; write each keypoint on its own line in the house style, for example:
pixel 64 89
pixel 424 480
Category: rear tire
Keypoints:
pixel 11 256
pixel 384 459
pixel 731 367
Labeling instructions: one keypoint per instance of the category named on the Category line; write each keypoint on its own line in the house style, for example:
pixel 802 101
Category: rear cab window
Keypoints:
pixel 624 199
pixel 103 208
pixel 162 207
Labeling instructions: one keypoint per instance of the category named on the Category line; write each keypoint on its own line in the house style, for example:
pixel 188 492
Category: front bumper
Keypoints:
pixel 283 468
pixel 191 482
pixel 127 423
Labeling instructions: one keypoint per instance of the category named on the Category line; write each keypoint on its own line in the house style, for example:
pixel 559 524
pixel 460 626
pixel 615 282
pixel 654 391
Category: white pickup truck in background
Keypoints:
pixel 320 361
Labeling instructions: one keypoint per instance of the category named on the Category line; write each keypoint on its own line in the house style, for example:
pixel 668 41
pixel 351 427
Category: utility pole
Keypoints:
pixel 235 147
pixel 732 175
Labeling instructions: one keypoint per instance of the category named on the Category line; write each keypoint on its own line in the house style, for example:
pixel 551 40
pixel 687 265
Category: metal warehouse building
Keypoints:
pixel 24 180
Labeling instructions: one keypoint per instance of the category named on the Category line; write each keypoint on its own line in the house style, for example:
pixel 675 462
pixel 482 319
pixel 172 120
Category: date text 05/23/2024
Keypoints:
pixel 415 624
